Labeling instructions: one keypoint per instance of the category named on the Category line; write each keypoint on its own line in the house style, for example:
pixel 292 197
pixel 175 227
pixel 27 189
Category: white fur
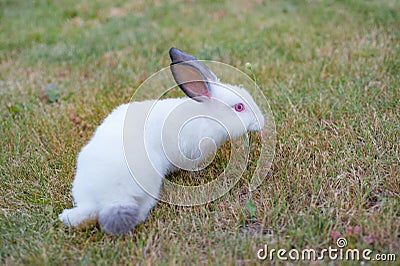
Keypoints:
pixel 118 196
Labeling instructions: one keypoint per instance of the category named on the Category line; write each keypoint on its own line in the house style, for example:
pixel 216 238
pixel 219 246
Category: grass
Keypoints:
pixel 330 70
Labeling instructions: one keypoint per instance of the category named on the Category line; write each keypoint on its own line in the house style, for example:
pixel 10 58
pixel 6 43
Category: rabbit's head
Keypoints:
pixel 223 100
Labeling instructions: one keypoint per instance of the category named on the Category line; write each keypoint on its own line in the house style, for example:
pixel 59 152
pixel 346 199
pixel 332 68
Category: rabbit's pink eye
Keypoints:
pixel 239 107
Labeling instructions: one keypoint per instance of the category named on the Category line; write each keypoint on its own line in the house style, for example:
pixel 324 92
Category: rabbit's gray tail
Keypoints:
pixel 119 219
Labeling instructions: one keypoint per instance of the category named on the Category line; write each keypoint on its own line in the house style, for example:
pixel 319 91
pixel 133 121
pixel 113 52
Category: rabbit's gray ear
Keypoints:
pixel 192 76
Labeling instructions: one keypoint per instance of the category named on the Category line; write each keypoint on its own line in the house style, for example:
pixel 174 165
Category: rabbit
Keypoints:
pixel 117 195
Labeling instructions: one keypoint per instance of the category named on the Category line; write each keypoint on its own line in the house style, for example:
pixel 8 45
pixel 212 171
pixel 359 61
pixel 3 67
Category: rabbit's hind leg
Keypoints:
pixel 79 216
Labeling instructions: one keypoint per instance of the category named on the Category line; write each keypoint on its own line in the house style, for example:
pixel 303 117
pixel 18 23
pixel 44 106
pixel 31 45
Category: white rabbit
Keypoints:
pixel 106 190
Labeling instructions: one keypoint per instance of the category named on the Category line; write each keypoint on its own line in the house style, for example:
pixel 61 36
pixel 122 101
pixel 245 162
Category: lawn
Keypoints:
pixel 329 69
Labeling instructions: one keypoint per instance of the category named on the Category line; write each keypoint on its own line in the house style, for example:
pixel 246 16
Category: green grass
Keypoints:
pixel 331 73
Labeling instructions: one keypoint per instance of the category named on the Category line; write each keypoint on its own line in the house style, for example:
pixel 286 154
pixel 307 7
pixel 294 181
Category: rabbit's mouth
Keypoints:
pixel 255 126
